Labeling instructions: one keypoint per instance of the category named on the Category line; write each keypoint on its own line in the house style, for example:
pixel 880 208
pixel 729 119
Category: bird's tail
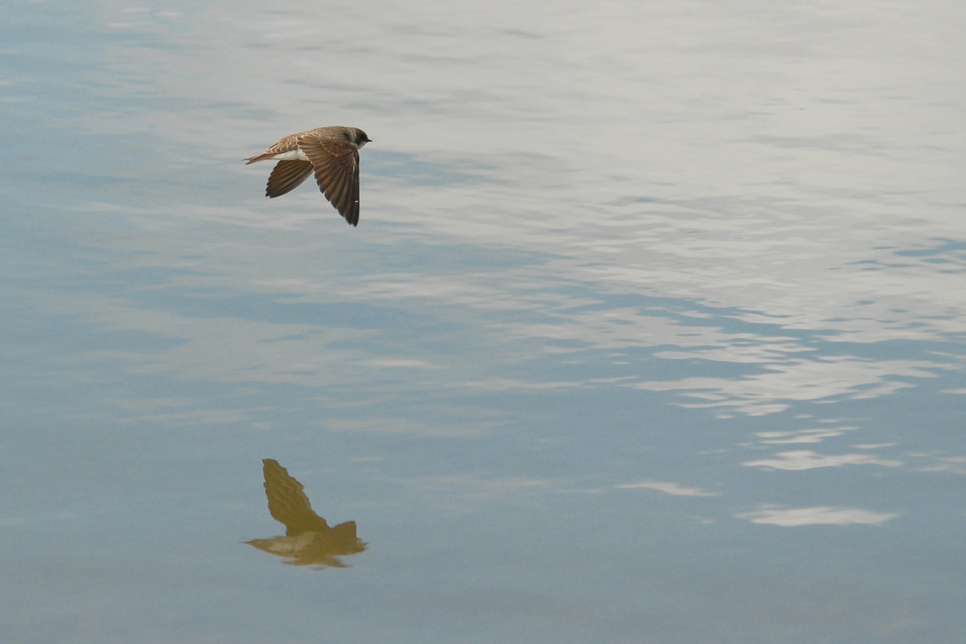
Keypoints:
pixel 261 157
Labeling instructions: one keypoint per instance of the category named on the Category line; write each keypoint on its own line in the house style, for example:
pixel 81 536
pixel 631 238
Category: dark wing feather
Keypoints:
pixel 336 164
pixel 287 176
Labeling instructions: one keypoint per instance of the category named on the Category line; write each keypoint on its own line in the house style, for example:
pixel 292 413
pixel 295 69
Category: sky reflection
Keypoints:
pixel 634 285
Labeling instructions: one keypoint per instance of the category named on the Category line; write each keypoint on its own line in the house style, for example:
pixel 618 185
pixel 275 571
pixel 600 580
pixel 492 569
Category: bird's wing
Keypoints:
pixel 336 164
pixel 287 502
pixel 287 176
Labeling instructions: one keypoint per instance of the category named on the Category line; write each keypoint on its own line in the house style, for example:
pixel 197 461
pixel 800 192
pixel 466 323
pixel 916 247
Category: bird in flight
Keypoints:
pixel 332 153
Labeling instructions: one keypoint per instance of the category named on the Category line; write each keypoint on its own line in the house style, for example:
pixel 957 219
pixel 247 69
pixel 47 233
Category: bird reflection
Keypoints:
pixel 308 540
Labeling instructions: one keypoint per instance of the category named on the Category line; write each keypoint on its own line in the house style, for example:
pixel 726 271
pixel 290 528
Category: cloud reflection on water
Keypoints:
pixel 807 460
pixel 821 515
pixel 667 488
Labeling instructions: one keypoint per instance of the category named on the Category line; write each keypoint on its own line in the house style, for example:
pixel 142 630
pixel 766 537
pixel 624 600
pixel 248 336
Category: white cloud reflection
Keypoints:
pixel 820 515
pixel 807 460
pixel 951 464
pixel 801 436
pixel 667 488
pixel 797 380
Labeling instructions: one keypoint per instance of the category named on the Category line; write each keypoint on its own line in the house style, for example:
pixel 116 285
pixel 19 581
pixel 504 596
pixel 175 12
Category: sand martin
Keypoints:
pixel 332 153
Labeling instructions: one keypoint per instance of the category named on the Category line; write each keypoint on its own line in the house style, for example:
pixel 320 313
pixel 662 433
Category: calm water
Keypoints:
pixel 651 330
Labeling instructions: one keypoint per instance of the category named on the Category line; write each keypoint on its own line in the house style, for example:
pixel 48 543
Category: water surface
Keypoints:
pixel 651 330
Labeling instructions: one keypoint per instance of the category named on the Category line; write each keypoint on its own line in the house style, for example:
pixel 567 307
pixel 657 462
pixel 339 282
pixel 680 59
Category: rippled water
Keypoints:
pixel 651 330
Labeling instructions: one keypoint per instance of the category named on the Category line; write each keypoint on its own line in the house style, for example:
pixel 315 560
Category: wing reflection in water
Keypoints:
pixel 308 540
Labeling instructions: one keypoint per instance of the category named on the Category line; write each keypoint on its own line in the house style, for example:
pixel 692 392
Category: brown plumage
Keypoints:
pixel 332 153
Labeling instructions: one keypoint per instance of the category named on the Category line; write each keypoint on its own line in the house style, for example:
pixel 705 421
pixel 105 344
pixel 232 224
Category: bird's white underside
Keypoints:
pixel 291 155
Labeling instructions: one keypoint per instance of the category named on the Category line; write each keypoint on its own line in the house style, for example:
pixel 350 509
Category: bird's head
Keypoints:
pixel 358 137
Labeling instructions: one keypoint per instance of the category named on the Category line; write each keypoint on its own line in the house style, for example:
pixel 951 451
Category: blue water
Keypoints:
pixel 651 329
